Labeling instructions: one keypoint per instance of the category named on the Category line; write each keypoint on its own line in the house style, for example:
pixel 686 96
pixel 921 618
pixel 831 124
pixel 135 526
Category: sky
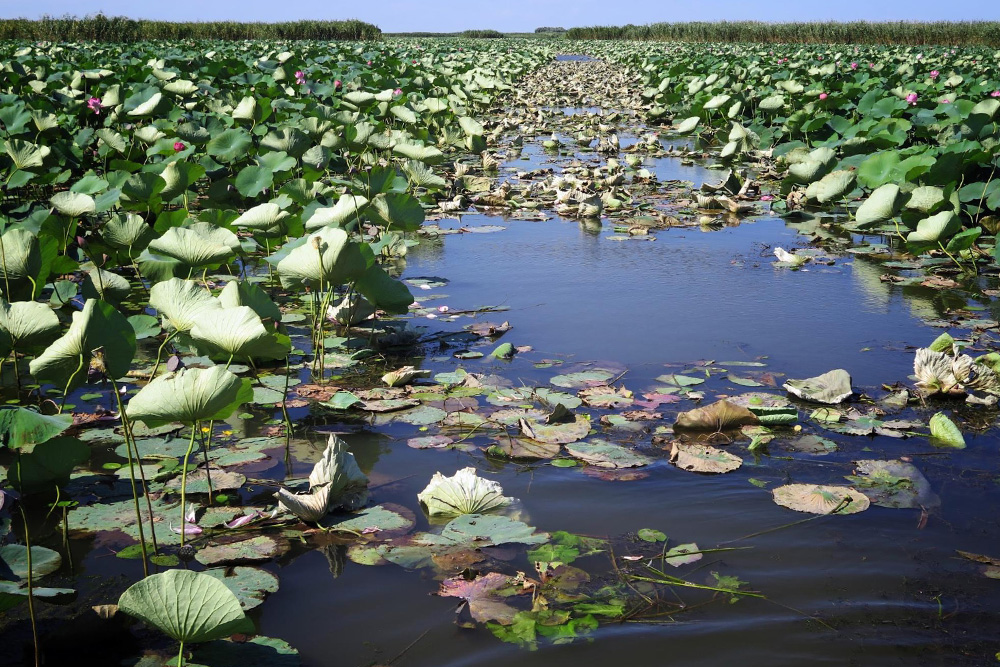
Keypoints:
pixel 512 15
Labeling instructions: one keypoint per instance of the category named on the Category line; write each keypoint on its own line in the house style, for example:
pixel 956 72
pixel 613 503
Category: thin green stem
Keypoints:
pixel 184 471
pixel 69 383
pixel 180 653
pixel 133 451
pixel 159 353
pixel 31 594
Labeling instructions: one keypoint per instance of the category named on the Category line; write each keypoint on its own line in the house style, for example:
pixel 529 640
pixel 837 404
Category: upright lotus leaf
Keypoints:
pixel 383 291
pixel 15 559
pixel 347 208
pixel 944 431
pixel 127 231
pixel 191 247
pixel 883 204
pixel 243 293
pixel 262 217
pixel 26 326
pixel 462 493
pixel 831 387
pixel 718 416
pixel 98 325
pixel 47 463
pixel 189 395
pixel 335 481
pixel 816 499
pixel 471 126
pixel 73 204
pixel 190 607
pixel 21 427
pixel 229 145
pixel 396 210
pixel 182 302
pixel 20 263
pixel 238 332
pixel 105 285
pixel 832 187
pixel 936 228
pixel 327 255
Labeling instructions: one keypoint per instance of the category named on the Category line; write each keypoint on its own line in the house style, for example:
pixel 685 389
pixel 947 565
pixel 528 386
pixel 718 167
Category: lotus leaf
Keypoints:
pixel 238 332
pixel 702 458
pixel 718 416
pixel 26 326
pixel 832 387
pixel 189 395
pixel 181 302
pixel 462 493
pixel 817 499
pixel 327 255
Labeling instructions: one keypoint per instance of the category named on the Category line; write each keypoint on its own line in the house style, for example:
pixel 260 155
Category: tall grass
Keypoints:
pixel 101 28
pixel 957 33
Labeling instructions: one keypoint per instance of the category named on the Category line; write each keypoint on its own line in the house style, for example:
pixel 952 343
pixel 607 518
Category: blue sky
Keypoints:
pixel 514 15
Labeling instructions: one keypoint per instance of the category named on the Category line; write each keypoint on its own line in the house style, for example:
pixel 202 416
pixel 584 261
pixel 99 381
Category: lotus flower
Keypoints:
pixel 398 91
pixel 369 62
pixel 823 96
pixel 336 84
pixel 462 493
pixel 179 146
pixel 854 65
pixel 945 101
pixel 300 77
pixel 912 99
pixel 94 104
pixel 935 74
pixel 995 93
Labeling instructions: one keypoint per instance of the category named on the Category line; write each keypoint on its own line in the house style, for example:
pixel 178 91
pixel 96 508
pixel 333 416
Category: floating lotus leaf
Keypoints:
pixel 249 584
pixel 683 554
pixel 831 387
pixel 483 596
pixel 238 332
pixel 945 432
pixel 481 530
pixel 604 454
pixel 250 550
pixel 198 481
pixel 384 519
pixel 718 416
pixel 348 208
pixel 522 448
pixel 462 493
pixel 26 326
pixel 188 606
pixel 189 395
pixel 582 379
pixel 604 396
pixel 702 458
pixel 191 248
pixel 328 256
pixel 97 326
pixel 817 499
pixel 775 416
pixel 256 652
pixel 893 484
pixel 558 433
pixel 182 302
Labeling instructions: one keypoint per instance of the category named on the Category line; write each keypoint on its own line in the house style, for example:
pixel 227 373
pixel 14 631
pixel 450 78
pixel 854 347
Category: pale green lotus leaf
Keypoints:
pixel 243 293
pixel 936 228
pixel 20 262
pixel 471 126
pixel 772 102
pixel 717 101
pixel 420 175
pixel 238 332
pixel 188 606
pixel 97 326
pixel 181 302
pixel 988 107
pixel 462 493
pixel 703 458
pixel 604 454
pixel 127 231
pixel 262 217
pixel 832 187
pixel 43 561
pixel 73 204
pixel 336 481
pixel 926 198
pixel 816 499
pixel 249 584
pixel 688 125
pixel 328 255
pixel 105 285
pixel 190 247
pixel 418 151
pixel 27 326
pixel 831 387
pixel 149 107
pixel 347 208
pixel 404 376
pixel 945 432
pixel 882 204
pixel 26 155
pixel 22 428
pixel 189 395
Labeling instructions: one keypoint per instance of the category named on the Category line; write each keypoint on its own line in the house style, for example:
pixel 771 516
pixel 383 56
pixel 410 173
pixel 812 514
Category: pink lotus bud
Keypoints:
pixel 935 74
pixel 912 98
pixel 179 146
pixel 823 96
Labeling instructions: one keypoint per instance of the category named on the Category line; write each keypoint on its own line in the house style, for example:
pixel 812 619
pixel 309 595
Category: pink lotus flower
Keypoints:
pixel 369 62
pixel 398 91
pixel 854 65
pixel 179 146
pixel 820 58
pixel 935 74
pixel 995 93
pixel 767 197
pixel 823 96
pixel 871 65
pixel 414 62
pixel 912 98
pixel 920 56
pixel 945 101
pixel 94 104
pixel 336 84
pixel 300 77
pixel 443 309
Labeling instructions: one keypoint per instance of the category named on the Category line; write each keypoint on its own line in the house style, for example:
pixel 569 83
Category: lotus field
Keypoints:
pixel 225 346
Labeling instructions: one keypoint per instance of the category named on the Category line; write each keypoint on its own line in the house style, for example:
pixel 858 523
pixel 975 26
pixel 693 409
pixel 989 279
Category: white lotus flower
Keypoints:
pixel 785 256
pixel 462 493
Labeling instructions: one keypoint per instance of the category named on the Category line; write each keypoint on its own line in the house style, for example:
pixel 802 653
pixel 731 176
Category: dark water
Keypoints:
pixel 890 591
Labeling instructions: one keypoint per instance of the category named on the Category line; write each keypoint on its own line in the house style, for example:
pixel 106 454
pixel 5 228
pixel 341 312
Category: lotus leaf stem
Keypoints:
pixel 131 478
pixel 69 383
pixel 159 354
pixel 31 595
pixel 184 471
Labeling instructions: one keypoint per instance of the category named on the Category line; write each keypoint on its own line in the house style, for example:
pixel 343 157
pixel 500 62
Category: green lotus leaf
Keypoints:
pixel 182 302
pixel 687 125
pixel 20 262
pixel 945 432
pixel 238 332
pixel 26 155
pixel 926 198
pixel 291 140
pixel 262 217
pixel 150 107
pixel 772 103
pixel 98 325
pixel 383 291
pixel 988 107
pixel 243 293
pixel 832 187
pixel 229 145
pixel 808 171
pixel 178 176
pixel 188 606
pixel 21 427
pixel 253 180
pixel 189 395
pixel 717 101
pixel 127 231
pixel 418 151
pixel 883 204
pixel 420 175
pixel 145 326
pixel 328 255
pixel 471 126
pixel 462 493
pixel 27 326
pixel 43 561
pixel 191 247
pixel 603 454
pixel 347 208
pixel 397 209
pixel 250 584
pixel 49 462
pixel 73 204
pixel 831 387
pixel 105 285
pixel 142 187
pixel 936 228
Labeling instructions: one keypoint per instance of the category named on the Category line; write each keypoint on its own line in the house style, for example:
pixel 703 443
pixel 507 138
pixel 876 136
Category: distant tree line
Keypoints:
pixel 483 34
pixel 101 28
pixel 540 30
pixel 966 33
